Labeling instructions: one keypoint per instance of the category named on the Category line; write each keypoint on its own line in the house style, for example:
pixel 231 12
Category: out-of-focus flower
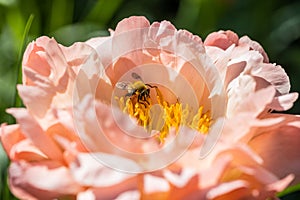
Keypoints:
pixel 146 101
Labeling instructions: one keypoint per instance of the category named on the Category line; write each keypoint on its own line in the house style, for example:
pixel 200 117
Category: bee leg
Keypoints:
pixel 144 104
pixel 148 93
pixel 147 101
pixel 151 86
pixel 141 101
pixel 144 95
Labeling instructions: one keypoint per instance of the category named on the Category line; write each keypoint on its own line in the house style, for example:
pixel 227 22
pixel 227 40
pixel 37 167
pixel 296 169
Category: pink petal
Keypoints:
pixel 241 154
pixel 9 136
pixel 233 71
pixel 281 184
pixel 182 179
pixel 243 98
pixel 245 40
pixel 76 54
pixel 153 184
pixel 274 74
pixel 235 190
pixel 221 39
pixel 29 94
pixel 283 102
pixel 31 56
pixel 256 102
pixel 252 58
pixel 103 182
pixel 24 150
pixel 257 174
pixel 122 66
pixel 159 31
pixel 43 180
pixel 46 54
pixel 97 41
pixel 214 171
pixel 131 23
pixel 132 195
pixel 179 184
pixel 244 177
pixel 280 149
pixel 194 78
pixel 105 193
pixel 32 130
pixel 87 194
pixel 88 170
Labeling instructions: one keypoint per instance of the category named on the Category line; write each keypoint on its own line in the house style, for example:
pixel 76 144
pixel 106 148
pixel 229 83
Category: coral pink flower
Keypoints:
pixel 129 115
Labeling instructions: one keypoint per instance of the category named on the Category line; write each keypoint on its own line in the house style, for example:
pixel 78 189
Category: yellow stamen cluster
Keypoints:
pixel 171 115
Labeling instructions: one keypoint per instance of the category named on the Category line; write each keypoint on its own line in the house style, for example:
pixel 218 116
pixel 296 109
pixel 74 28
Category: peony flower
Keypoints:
pixel 152 112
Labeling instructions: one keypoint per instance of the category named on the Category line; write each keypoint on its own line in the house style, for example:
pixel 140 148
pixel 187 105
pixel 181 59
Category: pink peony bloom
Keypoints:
pixel 129 116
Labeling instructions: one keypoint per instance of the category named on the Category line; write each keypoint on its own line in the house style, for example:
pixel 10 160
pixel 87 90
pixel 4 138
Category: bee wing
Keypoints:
pixel 136 76
pixel 123 85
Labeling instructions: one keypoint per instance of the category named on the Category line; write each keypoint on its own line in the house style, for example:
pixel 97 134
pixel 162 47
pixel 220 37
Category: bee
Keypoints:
pixel 137 88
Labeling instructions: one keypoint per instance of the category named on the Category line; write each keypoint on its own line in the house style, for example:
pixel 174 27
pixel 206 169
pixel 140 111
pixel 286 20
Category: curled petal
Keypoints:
pixel 45 52
pixel 9 136
pixel 24 150
pixel 76 54
pixel 281 184
pixel 32 130
pixel 244 98
pixel 132 23
pixel 221 39
pixel 284 102
pixel 43 180
pixel 235 189
pixel 274 74
pixel 245 40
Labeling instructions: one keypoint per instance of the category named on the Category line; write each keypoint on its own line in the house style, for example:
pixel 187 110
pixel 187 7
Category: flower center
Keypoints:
pixel 162 115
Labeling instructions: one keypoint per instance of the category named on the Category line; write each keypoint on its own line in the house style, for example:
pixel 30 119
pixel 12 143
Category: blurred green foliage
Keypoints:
pixel 273 23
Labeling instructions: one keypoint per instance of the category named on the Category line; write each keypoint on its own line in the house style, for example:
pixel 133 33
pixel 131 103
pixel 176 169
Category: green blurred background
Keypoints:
pixel 273 23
